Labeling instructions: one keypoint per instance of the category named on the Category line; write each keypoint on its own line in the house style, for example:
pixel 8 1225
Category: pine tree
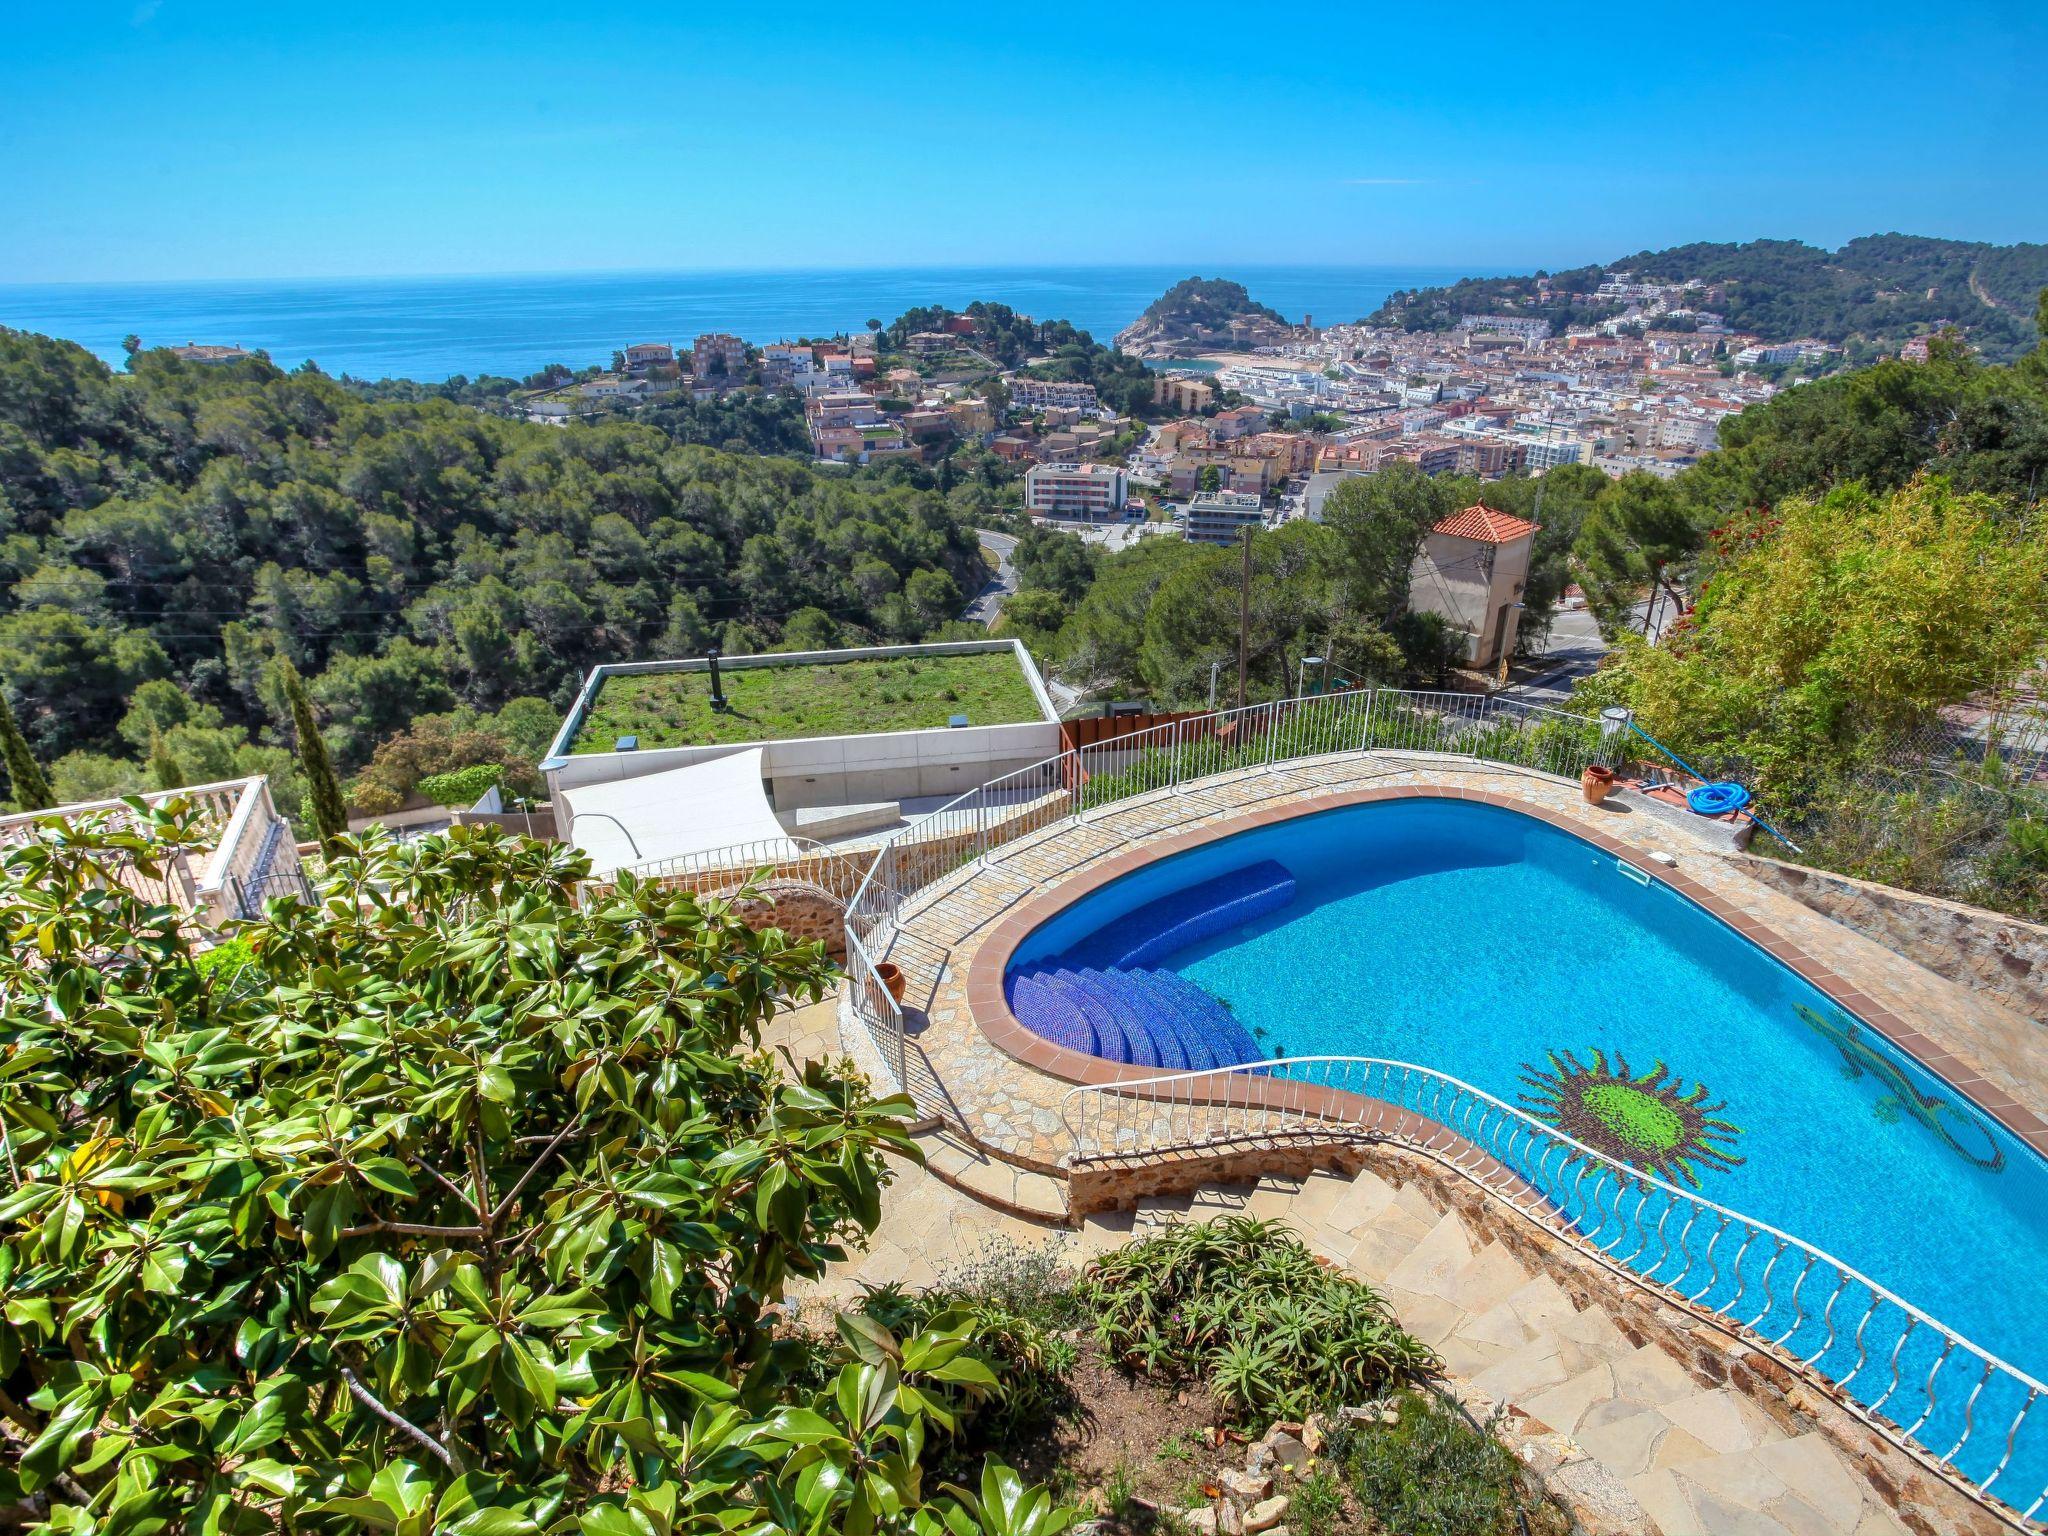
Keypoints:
pixel 31 788
pixel 164 771
pixel 323 789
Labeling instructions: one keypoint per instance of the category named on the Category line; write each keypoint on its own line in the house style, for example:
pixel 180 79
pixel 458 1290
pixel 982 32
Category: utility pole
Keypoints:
pixel 1244 620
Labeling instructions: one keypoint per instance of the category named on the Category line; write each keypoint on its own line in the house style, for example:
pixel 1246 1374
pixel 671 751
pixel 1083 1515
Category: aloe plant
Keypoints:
pixel 1243 1303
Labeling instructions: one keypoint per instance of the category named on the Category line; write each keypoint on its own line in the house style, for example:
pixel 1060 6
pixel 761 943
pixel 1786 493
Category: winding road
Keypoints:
pixel 988 602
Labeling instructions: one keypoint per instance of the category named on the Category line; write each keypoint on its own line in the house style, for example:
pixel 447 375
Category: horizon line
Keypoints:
pixel 1217 269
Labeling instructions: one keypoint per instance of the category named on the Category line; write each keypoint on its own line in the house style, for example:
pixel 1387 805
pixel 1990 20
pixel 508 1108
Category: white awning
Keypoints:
pixel 675 812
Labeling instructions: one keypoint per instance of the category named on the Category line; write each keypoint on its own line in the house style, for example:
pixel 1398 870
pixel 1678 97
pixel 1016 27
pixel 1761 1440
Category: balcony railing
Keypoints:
pixel 249 848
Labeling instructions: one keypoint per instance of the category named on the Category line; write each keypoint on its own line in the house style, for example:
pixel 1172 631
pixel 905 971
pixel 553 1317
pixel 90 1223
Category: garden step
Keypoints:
pixel 1430 1265
pixel 1020 1191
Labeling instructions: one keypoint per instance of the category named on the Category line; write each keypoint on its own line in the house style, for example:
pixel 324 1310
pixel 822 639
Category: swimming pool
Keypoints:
pixel 1503 952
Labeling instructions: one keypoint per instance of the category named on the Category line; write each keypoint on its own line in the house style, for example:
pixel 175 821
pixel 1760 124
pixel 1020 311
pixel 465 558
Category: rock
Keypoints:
pixel 1315 1433
pixel 1246 1487
pixel 1284 1440
pixel 1260 1461
pixel 1265 1514
pixel 1603 1506
pixel 1201 1521
pixel 1543 1454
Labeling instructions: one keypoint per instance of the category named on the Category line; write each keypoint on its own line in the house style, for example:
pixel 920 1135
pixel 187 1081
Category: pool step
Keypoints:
pixel 1137 1016
pixel 1161 929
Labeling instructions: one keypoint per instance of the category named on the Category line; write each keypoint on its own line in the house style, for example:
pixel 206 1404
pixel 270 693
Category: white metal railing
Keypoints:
pixel 215 803
pixel 795 857
pixel 237 813
pixel 1956 1407
pixel 1076 784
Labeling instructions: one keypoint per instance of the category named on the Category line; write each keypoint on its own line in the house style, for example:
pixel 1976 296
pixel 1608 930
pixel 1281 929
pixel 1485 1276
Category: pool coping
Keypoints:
pixel 988 1006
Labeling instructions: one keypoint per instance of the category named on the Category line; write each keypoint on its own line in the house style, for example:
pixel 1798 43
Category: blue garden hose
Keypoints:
pixel 1717 799
pixel 1714 799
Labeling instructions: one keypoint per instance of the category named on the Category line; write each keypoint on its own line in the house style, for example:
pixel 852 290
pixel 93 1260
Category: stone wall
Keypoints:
pixel 801 911
pixel 1988 952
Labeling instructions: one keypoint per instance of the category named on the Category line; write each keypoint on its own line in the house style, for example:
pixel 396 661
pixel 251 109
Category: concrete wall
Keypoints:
pixel 846 770
pixel 1988 952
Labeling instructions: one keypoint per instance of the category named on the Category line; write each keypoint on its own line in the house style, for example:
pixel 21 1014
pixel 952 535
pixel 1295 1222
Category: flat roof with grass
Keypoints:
pixel 788 701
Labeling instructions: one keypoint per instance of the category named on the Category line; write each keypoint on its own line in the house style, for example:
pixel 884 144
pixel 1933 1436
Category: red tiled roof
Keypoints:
pixel 1485 526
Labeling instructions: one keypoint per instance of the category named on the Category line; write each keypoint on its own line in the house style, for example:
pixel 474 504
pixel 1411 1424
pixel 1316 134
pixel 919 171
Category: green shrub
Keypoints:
pixel 1273 1332
pixel 1021 1304
pixel 226 963
pixel 1435 1473
pixel 462 786
pixel 473 1221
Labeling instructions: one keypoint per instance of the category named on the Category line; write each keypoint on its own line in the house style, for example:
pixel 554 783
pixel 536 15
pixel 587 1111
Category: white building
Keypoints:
pixel 1218 517
pixel 1092 493
pixel 1527 327
pixel 1052 394
pixel 1551 454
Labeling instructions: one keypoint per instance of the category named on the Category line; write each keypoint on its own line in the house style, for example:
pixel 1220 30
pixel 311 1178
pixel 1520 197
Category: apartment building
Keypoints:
pixel 1220 517
pixel 1489 458
pixel 1049 394
pixel 1189 395
pixel 1550 454
pixel 1079 492
pixel 717 355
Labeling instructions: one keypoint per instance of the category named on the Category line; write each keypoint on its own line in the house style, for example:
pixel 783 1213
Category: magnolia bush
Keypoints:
pixel 449 1205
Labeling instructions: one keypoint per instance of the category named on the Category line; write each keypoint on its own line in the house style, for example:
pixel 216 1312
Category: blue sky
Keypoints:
pixel 159 139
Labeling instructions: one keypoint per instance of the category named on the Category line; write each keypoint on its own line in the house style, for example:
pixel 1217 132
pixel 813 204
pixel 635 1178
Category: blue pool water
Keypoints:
pixel 1503 952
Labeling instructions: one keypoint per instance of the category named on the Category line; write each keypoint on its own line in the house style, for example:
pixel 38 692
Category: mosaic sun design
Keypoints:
pixel 1648 1121
pixel 1960 1131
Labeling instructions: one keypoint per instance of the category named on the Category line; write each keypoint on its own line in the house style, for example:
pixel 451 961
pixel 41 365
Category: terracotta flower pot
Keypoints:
pixel 892 978
pixel 1596 781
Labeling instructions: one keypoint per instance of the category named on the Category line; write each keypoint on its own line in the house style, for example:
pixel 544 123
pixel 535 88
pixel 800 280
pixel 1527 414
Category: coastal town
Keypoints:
pixel 1253 420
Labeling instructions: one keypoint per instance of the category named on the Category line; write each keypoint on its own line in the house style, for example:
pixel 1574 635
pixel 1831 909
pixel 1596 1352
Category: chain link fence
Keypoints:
pixel 1955 807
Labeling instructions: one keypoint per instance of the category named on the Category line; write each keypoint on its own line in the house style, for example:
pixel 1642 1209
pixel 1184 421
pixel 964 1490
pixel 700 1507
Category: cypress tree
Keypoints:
pixel 163 767
pixel 323 789
pixel 31 789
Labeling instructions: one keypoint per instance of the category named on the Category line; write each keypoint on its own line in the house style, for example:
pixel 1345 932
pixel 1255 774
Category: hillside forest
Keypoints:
pixel 441 576
pixel 1869 297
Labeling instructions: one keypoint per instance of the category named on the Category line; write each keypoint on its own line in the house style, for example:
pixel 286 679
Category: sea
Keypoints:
pixel 432 328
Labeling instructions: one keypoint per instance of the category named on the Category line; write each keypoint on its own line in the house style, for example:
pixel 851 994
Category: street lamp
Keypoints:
pixel 1301 673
